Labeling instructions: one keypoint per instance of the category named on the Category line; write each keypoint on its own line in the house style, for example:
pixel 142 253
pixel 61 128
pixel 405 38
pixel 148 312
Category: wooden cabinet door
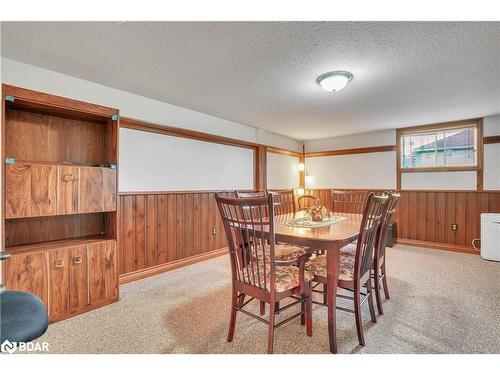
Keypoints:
pixel 103 271
pixel 30 190
pixel 68 190
pixel 109 189
pixel 28 273
pixel 91 190
pixel 78 288
pixel 59 281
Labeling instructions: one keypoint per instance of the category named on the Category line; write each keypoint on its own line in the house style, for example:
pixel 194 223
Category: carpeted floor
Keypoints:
pixel 441 302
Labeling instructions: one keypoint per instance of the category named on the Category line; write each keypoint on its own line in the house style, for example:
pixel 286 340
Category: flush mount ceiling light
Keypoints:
pixel 334 81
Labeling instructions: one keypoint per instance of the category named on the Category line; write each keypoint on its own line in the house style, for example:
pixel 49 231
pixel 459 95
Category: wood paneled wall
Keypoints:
pixel 160 228
pixel 425 217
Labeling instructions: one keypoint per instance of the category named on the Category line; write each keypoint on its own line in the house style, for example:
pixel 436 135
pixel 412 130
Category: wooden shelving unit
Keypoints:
pixel 60 200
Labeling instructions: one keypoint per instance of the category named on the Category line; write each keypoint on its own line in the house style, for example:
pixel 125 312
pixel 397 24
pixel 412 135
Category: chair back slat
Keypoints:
pixel 284 201
pixel 374 209
pixel 384 224
pixel 306 201
pixel 349 201
pixel 251 248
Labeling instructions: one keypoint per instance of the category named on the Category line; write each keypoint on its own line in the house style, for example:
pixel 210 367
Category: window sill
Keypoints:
pixel 438 169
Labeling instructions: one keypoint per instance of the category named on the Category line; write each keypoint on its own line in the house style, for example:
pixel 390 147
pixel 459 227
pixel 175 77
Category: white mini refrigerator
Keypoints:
pixel 490 236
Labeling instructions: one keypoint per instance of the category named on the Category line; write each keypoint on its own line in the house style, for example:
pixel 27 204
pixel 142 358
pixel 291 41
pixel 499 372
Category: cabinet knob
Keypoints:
pixel 59 263
pixel 77 259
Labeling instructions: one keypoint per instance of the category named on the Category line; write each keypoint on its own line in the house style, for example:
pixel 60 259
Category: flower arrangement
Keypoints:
pixel 317 212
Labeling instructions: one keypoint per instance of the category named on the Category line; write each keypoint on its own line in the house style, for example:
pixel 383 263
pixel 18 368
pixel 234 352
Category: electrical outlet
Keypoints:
pixel 214 231
pixel 454 227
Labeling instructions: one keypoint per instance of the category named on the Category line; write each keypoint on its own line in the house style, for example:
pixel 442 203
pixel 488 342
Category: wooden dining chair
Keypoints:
pixel 379 268
pixel 284 201
pixel 250 194
pixel 306 201
pixel 345 201
pixel 255 273
pixel 355 272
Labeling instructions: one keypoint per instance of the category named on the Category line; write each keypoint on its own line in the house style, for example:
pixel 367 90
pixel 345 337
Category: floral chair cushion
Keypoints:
pixel 349 250
pixel 317 266
pixel 287 277
pixel 282 253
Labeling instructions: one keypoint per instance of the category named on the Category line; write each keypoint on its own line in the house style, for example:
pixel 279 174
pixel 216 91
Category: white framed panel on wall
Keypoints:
pixel 282 172
pixel 355 171
pixel 157 162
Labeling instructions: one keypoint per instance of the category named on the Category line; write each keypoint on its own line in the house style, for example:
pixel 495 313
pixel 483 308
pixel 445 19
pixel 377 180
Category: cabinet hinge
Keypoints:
pixel 9 98
pixel 114 117
pixel 10 160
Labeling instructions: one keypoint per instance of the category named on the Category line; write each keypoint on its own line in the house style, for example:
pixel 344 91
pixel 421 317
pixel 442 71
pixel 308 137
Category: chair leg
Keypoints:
pixel 384 281
pixel 357 313
pixel 369 290
pixel 276 307
pixel 272 315
pixel 303 308
pixel 309 311
pixel 232 319
pixel 262 307
pixel 377 287
pixel 325 290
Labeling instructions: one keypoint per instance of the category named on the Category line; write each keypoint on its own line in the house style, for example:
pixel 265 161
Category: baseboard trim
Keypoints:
pixel 438 246
pixel 155 270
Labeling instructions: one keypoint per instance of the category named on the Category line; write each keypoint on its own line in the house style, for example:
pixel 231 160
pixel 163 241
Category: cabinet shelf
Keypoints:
pixel 51 245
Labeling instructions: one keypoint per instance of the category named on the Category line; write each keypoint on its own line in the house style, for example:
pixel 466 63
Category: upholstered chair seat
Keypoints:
pixel 317 266
pixel 282 253
pixel 287 277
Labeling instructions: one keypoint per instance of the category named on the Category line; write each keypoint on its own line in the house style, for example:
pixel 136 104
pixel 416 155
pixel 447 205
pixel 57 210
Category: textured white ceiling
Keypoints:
pixel 263 73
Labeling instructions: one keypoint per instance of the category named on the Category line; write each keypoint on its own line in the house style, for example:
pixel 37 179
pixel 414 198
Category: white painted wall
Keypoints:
pixel 378 138
pixel 439 180
pixel 282 171
pixel 360 171
pixel 160 162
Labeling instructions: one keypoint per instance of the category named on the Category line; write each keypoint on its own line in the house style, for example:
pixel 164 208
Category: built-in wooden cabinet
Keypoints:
pixel 60 211
pixel 28 273
pixel 69 279
pixel 103 271
pixel 31 190
pixel 43 190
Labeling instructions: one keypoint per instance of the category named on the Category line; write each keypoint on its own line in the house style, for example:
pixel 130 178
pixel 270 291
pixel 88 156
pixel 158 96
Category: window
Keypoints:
pixel 440 147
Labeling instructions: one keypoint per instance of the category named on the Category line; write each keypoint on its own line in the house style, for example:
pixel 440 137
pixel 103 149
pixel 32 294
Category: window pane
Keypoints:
pixel 459 147
pixel 440 149
pixel 419 151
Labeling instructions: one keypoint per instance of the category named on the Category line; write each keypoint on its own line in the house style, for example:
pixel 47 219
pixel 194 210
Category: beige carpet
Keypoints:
pixel 441 302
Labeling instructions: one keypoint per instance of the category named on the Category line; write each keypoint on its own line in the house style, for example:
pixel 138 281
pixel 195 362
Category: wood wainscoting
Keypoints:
pixel 425 218
pixel 166 230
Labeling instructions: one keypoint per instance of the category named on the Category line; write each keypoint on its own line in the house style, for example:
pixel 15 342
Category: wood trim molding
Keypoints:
pixel 440 125
pixel 130 123
pixel 151 271
pixel 165 192
pixel 438 246
pixel 44 100
pixel 282 151
pixel 260 168
pixel 491 139
pixel 349 151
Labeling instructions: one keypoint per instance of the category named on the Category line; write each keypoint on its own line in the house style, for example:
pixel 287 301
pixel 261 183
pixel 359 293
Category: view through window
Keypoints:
pixel 440 148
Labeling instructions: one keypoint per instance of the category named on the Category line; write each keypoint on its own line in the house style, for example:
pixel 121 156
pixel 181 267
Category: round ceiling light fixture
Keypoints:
pixel 334 81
